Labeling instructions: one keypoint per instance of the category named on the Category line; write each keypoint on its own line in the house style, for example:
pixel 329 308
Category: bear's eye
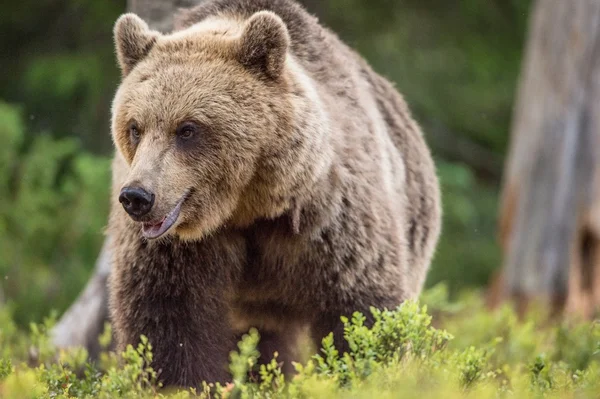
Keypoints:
pixel 134 133
pixel 187 130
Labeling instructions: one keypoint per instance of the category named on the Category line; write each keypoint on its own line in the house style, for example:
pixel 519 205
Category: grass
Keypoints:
pixel 435 348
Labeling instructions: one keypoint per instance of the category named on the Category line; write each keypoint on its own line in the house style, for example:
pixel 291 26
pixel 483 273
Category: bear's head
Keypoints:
pixel 200 116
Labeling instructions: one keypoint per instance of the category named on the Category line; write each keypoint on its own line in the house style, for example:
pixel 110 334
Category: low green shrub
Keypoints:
pixel 471 352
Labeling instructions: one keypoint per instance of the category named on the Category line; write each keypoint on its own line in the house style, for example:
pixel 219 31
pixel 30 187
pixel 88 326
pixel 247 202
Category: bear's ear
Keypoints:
pixel 133 41
pixel 264 44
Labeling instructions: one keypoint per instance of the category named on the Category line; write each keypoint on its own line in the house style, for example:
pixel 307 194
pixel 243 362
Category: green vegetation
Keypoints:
pixel 54 205
pixel 470 352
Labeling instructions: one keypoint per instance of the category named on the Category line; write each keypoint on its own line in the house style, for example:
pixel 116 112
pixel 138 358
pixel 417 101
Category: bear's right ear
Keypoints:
pixel 133 41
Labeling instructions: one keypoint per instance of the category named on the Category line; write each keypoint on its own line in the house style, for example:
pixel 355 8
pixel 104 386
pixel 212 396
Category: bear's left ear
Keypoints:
pixel 264 44
pixel 133 40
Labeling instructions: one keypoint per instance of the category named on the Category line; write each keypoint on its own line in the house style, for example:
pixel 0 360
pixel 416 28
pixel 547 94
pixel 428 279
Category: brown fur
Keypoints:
pixel 310 192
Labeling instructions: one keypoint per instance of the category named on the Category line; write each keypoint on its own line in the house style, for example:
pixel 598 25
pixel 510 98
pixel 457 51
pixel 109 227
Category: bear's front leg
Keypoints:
pixel 175 294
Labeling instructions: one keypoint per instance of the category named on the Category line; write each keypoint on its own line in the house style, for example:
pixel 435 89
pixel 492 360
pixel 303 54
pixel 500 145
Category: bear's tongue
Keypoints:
pixel 155 230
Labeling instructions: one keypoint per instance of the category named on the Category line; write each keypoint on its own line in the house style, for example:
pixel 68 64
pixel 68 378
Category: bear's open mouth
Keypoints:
pixel 158 228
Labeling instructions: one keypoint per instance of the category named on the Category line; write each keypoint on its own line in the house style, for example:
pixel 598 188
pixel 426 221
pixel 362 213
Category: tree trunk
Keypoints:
pixel 550 207
pixel 84 321
pixel 159 13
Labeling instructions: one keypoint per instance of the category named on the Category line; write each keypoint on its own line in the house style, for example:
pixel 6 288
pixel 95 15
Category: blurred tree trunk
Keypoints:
pixel 84 321
pixel 159 13
pixel 550 208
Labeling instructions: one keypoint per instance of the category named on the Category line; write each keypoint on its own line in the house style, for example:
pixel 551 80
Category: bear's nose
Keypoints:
pixel 136 201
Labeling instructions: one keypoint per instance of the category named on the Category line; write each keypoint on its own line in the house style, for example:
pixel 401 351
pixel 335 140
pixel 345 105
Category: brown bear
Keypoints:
pixel 265 176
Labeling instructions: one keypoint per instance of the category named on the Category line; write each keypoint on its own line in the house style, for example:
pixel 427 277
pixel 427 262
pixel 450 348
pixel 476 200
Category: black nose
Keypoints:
pixel 136 200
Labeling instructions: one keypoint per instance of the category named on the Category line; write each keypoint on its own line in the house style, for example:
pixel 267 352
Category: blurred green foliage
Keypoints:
pixel 57 60
pixel 54 203
pixel 455 62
